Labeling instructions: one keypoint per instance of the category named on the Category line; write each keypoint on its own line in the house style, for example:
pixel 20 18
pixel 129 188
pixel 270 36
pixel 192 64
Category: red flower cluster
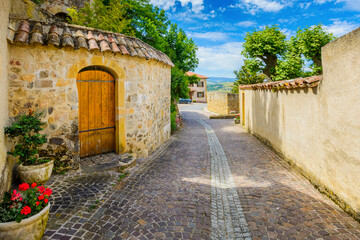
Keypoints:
pixel 26 201
pixel 24 187
pixel 26 210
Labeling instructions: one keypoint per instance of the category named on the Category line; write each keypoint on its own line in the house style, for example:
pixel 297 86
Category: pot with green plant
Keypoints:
pixel 25 130
pixel 237 119
pixel 24 212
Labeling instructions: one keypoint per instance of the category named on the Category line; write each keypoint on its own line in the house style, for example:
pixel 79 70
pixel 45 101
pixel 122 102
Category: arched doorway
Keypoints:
pixel 96 90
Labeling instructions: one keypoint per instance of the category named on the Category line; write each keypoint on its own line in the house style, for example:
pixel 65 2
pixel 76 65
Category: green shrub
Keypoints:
pixel 173 122
pixel 25 129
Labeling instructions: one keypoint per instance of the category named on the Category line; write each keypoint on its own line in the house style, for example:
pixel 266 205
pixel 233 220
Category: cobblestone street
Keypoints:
pixel 213 180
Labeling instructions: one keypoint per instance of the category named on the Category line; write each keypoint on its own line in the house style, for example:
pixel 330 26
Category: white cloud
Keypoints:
pixel 220 60
pixel 211 36
pixel 196 5
pixel 304 5
pixel 254 6
pixel 351 5
pixel 339 28
pixel 246 24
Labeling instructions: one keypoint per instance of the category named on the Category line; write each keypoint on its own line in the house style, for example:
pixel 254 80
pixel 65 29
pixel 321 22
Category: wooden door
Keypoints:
pixel 96 112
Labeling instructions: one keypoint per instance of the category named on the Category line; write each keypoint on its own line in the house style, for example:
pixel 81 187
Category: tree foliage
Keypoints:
pixel 109 16
pixel 269 52
pixel 310 41
pixel 267 45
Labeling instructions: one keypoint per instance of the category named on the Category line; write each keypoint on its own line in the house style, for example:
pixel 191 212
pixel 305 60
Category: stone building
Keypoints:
pixel 100 91
pixel 198 91
pixel 314 122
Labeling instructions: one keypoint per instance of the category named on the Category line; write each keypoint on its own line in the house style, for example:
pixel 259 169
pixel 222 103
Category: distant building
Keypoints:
pixel 198 91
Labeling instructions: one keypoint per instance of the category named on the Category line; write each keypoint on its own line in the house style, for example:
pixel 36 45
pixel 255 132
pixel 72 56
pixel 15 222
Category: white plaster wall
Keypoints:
pixel 318 129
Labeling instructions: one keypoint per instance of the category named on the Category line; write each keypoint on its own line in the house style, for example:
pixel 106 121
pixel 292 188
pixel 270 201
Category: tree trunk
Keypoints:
pixel 317 62
pixel 270 65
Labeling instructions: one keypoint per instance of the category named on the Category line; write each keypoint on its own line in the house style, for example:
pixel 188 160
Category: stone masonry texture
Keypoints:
pixel 171 194
pixel 223 103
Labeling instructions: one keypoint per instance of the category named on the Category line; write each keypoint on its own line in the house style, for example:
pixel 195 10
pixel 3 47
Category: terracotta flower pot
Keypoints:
pixel 31 228
pixel 35 173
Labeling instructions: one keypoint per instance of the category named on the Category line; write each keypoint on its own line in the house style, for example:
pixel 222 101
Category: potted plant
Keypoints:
pixel 25 130
pixel 24 212
pixel 237 119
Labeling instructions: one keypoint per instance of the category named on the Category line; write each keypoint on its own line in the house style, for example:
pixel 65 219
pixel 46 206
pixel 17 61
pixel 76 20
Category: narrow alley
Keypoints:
pixel 213 180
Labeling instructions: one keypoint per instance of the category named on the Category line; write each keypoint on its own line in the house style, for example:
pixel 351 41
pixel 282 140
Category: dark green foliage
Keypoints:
pixel 26 130
pixel 37 1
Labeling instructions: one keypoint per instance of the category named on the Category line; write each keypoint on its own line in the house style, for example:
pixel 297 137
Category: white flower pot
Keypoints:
pixel 35 173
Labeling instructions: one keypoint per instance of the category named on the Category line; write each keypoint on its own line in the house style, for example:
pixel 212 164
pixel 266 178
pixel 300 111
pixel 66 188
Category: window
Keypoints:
pixel 200 84
pixel 200 94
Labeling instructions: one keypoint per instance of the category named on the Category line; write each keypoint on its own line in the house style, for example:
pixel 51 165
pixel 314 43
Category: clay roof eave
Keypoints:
pixel 308 82
pixel 21 32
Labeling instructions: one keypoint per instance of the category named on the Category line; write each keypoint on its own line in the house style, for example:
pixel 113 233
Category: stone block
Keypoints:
pixel 43 84
pixel 27 77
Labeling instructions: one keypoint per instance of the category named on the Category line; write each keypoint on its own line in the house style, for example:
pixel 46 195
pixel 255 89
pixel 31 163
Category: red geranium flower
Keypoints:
pixel 26 210
pixel 24 187
pixel 41 197
pixel 46 200
pixel 33 185
pixel 48 192
pixel 37 203
pixel 41 189
pixel 15 196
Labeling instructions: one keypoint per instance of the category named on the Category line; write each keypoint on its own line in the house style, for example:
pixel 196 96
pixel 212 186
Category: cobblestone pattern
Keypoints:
pixel 227 216
pixel 73 200
pixel 278 202
pixel 167 197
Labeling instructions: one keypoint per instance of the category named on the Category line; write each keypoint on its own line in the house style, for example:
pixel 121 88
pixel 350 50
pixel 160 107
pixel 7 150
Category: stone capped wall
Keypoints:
pixel 223 103
pixel 5 165
pixel 44 79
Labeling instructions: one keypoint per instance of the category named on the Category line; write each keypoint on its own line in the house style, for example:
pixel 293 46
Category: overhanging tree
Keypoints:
pixel 267 45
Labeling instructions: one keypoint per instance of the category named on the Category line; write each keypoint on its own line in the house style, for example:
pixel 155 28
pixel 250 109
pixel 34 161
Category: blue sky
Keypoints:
pixel 218 27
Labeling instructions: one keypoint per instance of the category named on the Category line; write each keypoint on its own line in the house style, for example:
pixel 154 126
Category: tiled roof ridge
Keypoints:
pixel 310 82
pixel 60 34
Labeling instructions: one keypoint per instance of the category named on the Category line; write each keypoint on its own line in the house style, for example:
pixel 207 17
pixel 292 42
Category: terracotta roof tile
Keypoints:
pixel 286 84
pixel 198 75
pixel 66 35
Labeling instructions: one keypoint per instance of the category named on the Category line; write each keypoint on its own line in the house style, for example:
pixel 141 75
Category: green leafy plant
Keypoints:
pixel 24 202
pixel 26 131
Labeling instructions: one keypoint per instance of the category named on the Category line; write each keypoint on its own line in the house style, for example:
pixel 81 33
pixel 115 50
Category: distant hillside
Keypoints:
pixel 220 79
pixel 219 87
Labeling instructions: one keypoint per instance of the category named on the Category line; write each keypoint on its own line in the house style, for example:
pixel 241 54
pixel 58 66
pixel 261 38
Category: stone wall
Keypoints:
pixel 223 103
pixel 318 129
pixel 5 166
pixel 43 78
